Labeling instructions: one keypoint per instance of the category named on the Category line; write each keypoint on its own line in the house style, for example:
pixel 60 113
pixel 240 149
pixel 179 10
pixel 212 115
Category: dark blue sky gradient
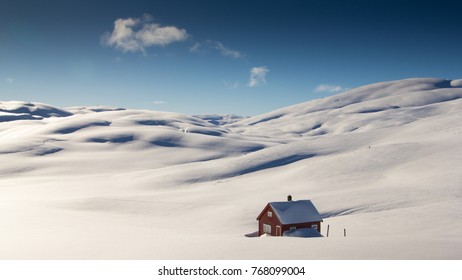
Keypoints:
pixel 51 51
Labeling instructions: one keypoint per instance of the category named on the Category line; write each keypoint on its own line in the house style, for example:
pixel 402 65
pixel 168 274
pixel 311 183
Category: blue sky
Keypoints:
pixel 198 57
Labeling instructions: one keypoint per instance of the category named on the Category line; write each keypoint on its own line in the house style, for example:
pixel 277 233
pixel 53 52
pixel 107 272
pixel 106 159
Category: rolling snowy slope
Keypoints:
pixel 382 161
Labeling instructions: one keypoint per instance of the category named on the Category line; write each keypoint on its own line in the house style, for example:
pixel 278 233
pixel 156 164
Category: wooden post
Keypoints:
pixel 344 232
pixel 327 235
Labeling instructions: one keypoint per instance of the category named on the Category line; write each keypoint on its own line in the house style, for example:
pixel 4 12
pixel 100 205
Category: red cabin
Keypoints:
pixel 278 217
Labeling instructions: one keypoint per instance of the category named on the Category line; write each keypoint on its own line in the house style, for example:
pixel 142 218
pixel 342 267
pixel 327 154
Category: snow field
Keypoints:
pixel 382 161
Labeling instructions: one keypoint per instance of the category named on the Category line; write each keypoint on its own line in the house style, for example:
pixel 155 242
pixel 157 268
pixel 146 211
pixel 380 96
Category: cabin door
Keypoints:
pixel 278 230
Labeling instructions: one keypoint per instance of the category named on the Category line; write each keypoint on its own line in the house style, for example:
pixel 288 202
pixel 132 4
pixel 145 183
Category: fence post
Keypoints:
pixel 327 231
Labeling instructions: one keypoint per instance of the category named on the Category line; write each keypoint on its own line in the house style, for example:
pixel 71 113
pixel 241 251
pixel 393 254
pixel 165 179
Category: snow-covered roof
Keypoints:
pixel 294 212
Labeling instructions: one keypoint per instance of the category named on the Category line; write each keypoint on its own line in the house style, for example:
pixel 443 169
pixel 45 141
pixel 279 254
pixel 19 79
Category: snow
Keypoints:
pixel 33 109
pixel 381 161
pixel 220 119
pixel 302 232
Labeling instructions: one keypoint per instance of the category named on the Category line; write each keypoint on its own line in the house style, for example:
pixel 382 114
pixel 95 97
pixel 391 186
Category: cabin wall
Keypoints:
pixel 273 221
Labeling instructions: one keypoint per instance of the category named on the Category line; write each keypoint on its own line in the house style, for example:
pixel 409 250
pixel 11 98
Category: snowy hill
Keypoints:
pixel 382 161
pixel 14 110
pixel 387 104
pixel 220 119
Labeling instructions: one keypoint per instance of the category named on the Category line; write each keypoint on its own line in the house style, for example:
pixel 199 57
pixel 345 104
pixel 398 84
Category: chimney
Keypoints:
pixel 289 198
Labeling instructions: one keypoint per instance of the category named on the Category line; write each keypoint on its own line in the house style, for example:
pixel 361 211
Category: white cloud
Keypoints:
pixel 195 48
pixel 157 102
pixel 9 80
pixel 216 46
pixel 153 34
pixel 257 76
pixel 226 51
pixel 329 88
pixel 134 34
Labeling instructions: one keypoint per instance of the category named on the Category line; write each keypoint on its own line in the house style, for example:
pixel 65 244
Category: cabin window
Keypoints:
pixel 293 228
pixel 314 226
pixel 267 228
pixel 270 214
